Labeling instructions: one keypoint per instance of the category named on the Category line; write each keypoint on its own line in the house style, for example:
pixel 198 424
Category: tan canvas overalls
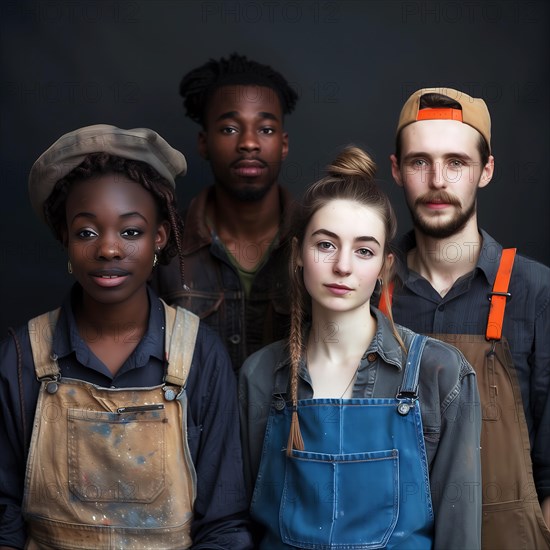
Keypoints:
pixel 111 468
pixel 512 517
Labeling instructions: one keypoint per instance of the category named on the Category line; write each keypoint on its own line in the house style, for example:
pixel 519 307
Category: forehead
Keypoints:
pixel 440 136
pixel 111 192
pixel 243 98
pixel 344 216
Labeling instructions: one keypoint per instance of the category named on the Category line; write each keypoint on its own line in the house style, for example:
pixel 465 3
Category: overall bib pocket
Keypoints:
pixel 316 508
pixel 116 457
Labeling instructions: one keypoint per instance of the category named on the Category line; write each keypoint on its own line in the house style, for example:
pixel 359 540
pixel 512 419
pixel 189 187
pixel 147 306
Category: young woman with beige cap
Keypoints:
pixel 116 410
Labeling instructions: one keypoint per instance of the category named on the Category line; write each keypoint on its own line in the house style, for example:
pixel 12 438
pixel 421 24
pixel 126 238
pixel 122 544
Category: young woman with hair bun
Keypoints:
pixel 357 432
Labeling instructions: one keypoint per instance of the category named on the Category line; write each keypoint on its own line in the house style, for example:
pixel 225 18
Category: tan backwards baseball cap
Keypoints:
pixel 72 148
pixel 474 111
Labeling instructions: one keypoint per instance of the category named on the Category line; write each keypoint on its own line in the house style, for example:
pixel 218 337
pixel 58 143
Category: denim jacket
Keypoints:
pixel 244 323
pixel 451 419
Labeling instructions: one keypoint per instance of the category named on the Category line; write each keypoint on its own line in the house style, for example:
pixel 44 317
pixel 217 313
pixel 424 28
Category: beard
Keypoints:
pixel 248 193
pixel 438 229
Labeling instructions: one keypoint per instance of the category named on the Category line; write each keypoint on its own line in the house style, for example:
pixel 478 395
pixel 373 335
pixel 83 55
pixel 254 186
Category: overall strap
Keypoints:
pixel 500 295
pixel 41 335
pixel 409 385
pixel 180 336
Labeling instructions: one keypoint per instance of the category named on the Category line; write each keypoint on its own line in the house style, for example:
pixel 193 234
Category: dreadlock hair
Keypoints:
pixel 197 86
pixel 350 177
pixel 97 164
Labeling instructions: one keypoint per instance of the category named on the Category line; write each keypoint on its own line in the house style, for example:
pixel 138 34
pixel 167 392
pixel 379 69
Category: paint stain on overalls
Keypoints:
pixel 111 468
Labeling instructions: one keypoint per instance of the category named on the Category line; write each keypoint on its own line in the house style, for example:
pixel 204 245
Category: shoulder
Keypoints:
pixel 529 287
pixel 208 343
pixel 439 355
pixel 21 336
pixel 17 340
pixel 442 364
pixel 265 360
pixel 531 272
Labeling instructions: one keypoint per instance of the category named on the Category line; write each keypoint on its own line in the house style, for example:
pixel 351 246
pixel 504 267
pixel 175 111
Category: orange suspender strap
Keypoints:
pixel 500 295
pixel 384 306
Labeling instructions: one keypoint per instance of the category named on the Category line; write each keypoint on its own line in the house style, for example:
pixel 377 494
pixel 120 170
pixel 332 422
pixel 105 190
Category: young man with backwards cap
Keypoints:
pixel 233 244
pixel 118 422
pixel 450 285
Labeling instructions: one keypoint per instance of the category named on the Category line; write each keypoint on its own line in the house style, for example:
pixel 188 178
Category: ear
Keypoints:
pixel 487 172
pixel 163 234
pixel 284 146
pixel 387 267
pixel 203 145
pixel 396 171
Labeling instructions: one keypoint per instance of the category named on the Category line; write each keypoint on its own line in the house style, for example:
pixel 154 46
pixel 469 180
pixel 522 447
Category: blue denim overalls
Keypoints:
pixel 362 481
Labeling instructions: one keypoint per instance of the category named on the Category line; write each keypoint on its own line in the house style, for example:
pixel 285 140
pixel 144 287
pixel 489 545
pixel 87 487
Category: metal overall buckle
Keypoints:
pixel 406 401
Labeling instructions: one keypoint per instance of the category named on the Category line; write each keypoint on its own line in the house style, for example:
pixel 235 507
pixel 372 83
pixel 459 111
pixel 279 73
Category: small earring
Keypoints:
pixel 380 281
pixel 69 267
pixel 155 260
pixel 298 267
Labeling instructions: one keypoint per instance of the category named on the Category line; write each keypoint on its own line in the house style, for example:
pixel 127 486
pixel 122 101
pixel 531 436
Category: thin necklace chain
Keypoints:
pixel 350 382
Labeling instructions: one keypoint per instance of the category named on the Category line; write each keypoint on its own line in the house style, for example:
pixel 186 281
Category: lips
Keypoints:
pixel 249 168
pixel 436 205
pixel 338 290
pixel 108 278
pixel 109 273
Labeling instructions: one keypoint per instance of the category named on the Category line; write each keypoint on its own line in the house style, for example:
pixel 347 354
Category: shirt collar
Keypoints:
pixel 67 339
pixel 487 262
pixel 384 345
pixel 197 234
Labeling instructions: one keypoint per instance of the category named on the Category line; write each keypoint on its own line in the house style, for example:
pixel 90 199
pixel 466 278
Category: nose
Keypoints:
pixel 248 140
pixel 435 175
pixel 342 264
pixel 109 248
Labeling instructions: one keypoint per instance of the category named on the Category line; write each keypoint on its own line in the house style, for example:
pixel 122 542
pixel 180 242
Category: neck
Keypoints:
pixel 113 320
pixel 338 338
pixel 443 261
pixel 243 220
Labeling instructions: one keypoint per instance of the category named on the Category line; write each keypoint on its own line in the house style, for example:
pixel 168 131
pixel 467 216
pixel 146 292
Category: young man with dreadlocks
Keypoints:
pixel 233 243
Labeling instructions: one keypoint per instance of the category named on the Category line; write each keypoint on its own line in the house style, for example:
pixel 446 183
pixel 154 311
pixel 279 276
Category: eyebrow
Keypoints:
pixel 416 154
pixel 368 238
pixel 92 216
pixel 234 114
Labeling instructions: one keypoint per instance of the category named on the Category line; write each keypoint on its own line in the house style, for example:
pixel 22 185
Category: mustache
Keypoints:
pixel 437 196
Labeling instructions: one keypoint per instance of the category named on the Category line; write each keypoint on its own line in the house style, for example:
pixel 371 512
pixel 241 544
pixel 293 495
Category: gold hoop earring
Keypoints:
pixel 69 267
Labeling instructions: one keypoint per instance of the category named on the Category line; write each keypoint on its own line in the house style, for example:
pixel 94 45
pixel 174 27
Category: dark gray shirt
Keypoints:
pixel 450 409
pixel 464 310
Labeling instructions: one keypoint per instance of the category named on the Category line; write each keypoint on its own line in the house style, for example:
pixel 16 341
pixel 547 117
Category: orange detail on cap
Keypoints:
pixel 444 113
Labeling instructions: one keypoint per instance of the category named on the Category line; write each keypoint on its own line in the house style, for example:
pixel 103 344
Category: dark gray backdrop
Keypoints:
pixel 67 64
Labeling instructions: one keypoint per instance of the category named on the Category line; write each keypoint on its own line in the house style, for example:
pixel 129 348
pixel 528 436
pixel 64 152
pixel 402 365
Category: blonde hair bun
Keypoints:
pixel 353 161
